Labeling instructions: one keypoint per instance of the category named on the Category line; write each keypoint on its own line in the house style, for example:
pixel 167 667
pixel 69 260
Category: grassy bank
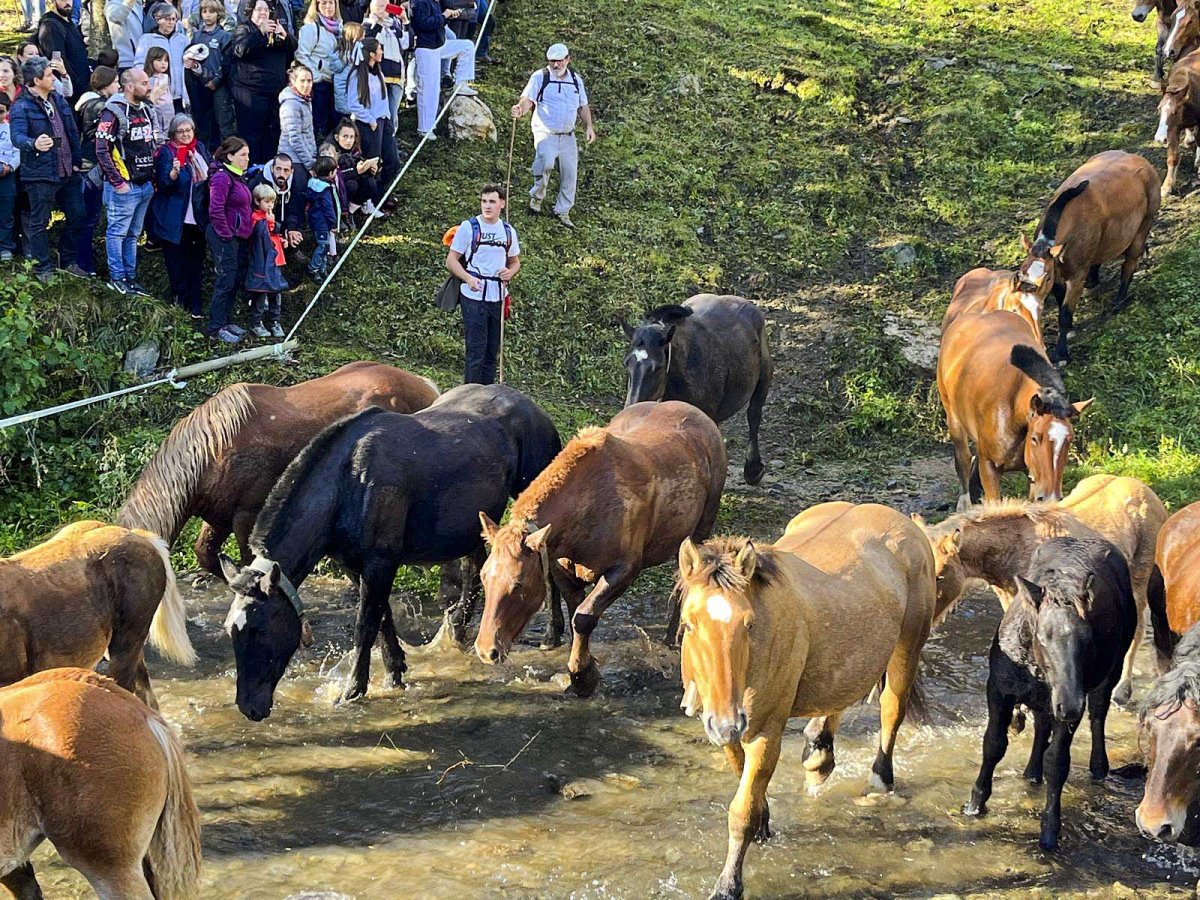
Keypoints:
pixel 840 163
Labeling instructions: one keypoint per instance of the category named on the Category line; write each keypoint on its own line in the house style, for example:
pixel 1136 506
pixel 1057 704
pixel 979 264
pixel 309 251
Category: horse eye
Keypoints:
pixel 1035 440
pixel 749 627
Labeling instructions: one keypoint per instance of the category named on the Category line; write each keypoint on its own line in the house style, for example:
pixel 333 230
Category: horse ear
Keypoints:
pixel 918 519
pixel 269 581
pixel 954 541
pixel 747 560
pixel 1057 251
pixel 1026 243
pixel 1029 593
pixel 537 540
pixel 229 569
pixel 627 328
pixel 1016 279
pixel 689 558
pixel 1077 409
pixel 1036 405
pixel 670 333
pixel 489 527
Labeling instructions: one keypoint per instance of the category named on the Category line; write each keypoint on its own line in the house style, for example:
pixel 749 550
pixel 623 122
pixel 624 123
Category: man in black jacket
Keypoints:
pixel 289 180
pixel 58 34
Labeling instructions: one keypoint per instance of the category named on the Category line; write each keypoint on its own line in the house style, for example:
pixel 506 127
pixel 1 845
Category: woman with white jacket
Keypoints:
pixel 318 49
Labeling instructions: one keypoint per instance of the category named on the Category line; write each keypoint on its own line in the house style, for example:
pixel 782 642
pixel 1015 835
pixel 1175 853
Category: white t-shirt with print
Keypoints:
pixel 488 260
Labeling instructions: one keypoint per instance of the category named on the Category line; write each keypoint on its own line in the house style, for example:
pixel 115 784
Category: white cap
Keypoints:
pixel 557 52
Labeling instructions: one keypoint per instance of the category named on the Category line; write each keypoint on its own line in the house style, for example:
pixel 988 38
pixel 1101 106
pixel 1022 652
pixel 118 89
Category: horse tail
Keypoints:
pixel 974 482
pixel 1156 600
pixel 915 706
pixel 1050 221
pixel 174 853
pixel 168 628
pixel 161 496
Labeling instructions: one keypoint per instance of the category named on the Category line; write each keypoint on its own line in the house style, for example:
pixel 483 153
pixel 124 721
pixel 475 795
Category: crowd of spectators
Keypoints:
pixel 250 134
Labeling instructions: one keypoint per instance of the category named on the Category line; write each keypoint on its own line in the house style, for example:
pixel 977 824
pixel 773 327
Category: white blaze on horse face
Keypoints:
pixel 641 355
pixel 1160 136
pixel 237 615
pixel 1036 271
pixel 1058 434
pixel 719 609
pixel 1030 302
pixel 1170 44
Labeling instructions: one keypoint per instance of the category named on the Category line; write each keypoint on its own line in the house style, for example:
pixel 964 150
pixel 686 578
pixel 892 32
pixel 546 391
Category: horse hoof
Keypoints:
pixel 395 682
pixel 876 785
pixel 351 694
pixel 550 644
pixel 763 834
pixel 1033 778
pixel 584 682
pixel 1049 843
pixel 1099 774
pixel 753 472
pixel 726 893
pixel 974 810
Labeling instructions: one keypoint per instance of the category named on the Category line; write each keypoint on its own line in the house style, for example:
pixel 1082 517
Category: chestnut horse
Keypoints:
pixel 1184 36
pixel 1174 590
pixel 1171 719
pixel 838 606
pixel 711 352
pixel 615 500
pixel 1104 210
pixel 996 541
pixel 1022 292
pixel 89 591
pixel 1001 393
pixel 87 767
pixel 221 460
pixel 1179 108
pixel 1166 14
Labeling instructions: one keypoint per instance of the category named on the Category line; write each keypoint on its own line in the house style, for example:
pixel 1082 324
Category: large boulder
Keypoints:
pixel 469 119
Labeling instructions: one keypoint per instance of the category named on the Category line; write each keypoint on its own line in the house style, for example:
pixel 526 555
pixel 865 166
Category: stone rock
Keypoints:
pixel 470 119
pixel 319 895
pixel 1065 68
pixel 940 62
pixel 142 359
pixel 577 790
pixel 688 84
pixel 904 255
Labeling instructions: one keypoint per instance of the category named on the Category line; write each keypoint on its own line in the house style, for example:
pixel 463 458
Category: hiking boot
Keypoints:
pixel 118 286
pixel 565 219
pixel 277 331
pixel 228 337
pixel 535 206
pixel 135 288
pixel 465 90
pixel 77 271
pixel 259 332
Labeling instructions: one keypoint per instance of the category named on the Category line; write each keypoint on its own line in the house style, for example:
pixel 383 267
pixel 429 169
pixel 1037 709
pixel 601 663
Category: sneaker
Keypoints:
pixel 369 209
pixel 236 329
pixel 119 286
pixel 277 331
pixel 77 271
pixel 465 90
pixel 6 256
pixel 259 332
pixel 535 206
pixel 228 337
pixel 135 288
pixel 565 219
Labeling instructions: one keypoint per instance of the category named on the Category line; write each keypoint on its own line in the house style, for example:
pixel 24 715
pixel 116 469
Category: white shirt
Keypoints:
pixel 488 260
pixel 559 109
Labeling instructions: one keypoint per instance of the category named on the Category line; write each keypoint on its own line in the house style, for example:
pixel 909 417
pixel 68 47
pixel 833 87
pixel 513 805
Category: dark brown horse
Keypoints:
pixel 1173 595
pixel 614 501
pixel 1001 393
pixel 990 290
pixel 89 591
pixel 1103 211
pixel 1166 12
pixel 710 352
pixel 1171 719
pixel 1179 108
pixel 221 460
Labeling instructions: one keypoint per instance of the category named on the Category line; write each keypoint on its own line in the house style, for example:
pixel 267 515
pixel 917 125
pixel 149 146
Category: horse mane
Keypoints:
pixel 1052 388
pixel 1049 229
pixel 161 495
pixel 667 314
pixel 1182 683
pixel 717 556
pixel 554 476
pixel 298 470
pixel 1006 508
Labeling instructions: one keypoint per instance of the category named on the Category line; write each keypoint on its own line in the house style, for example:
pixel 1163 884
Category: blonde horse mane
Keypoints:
pixel 717 557
pixel 163 490
pixel 1007 508
pixel 555 475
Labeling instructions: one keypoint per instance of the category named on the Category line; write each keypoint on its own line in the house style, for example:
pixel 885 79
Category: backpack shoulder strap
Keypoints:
pixel 507 236
pixel 545 83
pixel 476 237
pixel 574 79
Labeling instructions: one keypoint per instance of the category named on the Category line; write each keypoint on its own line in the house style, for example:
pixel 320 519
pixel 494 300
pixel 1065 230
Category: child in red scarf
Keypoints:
pixel 264 280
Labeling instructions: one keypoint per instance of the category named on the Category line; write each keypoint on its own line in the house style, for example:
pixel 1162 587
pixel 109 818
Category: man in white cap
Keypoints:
pixel 557 98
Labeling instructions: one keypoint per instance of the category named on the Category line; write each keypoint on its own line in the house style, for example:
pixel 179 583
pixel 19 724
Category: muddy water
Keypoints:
pixel 488 782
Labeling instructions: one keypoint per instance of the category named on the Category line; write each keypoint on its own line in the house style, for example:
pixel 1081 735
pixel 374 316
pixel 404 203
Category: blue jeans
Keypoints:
pixel 8 209
pixel 85 255
pixel 319 262
pixel 126 216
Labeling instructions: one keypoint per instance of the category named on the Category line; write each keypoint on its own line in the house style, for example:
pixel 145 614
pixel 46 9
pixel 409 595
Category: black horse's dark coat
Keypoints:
pixel 376 491
pixel 1063 639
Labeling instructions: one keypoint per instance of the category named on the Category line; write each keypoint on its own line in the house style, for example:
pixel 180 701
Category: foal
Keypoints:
pixel 1179 108
pixel 1061 643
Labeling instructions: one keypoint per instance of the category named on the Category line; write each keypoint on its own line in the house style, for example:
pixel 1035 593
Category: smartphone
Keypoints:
pixel 56 55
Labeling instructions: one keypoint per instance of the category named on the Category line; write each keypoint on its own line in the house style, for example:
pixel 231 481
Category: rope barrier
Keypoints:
pixel 289 343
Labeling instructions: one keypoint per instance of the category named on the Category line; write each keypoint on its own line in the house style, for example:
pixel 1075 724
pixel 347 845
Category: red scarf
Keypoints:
pixel 259 216
pixel 183 151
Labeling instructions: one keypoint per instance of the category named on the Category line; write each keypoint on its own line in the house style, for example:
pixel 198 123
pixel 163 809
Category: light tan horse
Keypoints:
pixel 805 627
pixel 1174 594
pixel 87 767
pixel 981 290
pixel 91 589
pixel 996 541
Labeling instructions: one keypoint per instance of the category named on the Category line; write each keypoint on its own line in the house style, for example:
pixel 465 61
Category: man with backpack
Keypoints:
pixel 557 98
pixel 484 255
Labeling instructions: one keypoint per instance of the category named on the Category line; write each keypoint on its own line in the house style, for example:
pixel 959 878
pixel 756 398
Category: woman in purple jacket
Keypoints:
pixel 229 227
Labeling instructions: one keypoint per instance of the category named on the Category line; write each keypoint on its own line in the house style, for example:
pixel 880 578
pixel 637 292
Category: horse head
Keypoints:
pixel 1062 640
pixel 649 358
pixel 1048 428
pixel 1185 31
pixel 515 584
pixel 715 582
pixel 266 626
pixel 947 564
pixel 1170 109
pixel 1035 276
pixel 1170 718
pixel 1141 9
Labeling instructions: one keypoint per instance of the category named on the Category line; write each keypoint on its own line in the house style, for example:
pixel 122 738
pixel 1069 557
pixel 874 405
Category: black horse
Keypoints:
pixel 1062 640
pixel 375 491
pixel 710 352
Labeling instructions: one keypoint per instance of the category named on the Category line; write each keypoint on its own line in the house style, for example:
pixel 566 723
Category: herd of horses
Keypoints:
pixel 374 468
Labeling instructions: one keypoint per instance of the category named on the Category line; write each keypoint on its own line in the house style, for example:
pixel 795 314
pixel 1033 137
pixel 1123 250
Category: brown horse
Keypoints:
pixel 1184 35
pixel 809 626
pixel 1179 108
pixel 1001 394
pixel 988 290
pixel 1171 719
pixel 92 589
pixel 996 541
pixel 221 460
pixel 615 500
pixel 1174 591
pixel 1166 13
pixel 1104 210
pixel 87 767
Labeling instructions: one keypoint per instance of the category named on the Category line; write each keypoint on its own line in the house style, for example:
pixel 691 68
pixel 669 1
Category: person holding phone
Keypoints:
pixel 61 40
pixel 261 51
